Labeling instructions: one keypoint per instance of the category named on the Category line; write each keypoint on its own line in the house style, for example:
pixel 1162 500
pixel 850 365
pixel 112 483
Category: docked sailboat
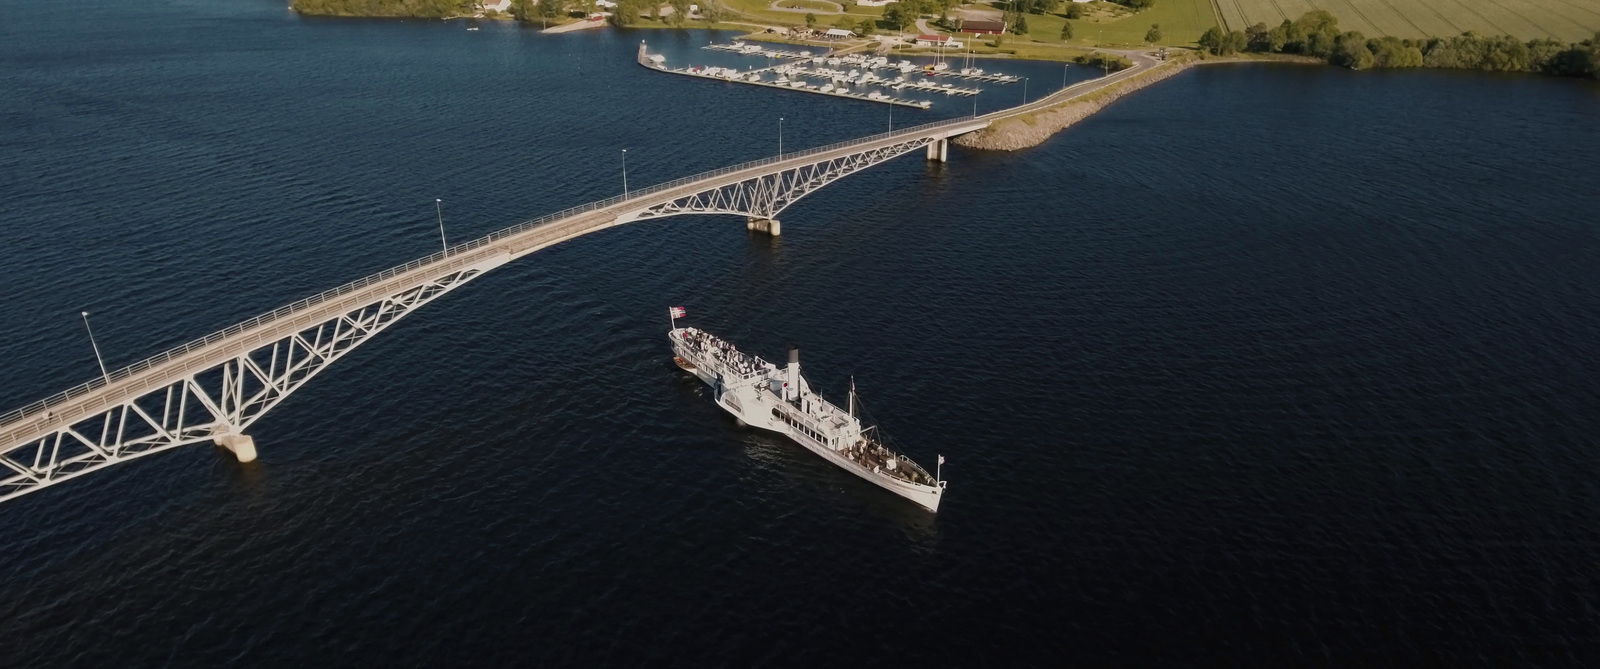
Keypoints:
pixel 763 395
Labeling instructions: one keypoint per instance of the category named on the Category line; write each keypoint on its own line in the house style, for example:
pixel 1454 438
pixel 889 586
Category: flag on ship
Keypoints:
pixel 679 312
pixel 941 459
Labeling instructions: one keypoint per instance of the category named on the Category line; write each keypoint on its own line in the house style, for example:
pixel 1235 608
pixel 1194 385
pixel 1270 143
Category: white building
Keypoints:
pixel 880 3
pixel 938 41
pixel 497 5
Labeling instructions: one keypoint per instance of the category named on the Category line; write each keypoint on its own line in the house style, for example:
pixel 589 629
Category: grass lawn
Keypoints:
pixel 691 24
pixel 1565 20
pixel 1018 50
pixel 817 5
pixel 760 10
pixel 1104 24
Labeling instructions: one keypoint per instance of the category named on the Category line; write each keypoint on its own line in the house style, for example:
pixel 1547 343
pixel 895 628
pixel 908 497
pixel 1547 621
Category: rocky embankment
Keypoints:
pixel 1031 129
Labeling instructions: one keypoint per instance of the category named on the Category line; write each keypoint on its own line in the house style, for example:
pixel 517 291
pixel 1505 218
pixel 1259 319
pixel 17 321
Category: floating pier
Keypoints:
pixel 974 76
pixel 863 61
pixel 781 74
pixel 858 78
pixel 947 89
pixel 754 50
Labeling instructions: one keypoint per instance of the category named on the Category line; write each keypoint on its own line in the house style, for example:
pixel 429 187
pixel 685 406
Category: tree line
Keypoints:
pixel 630 12
pixel 1317 34
pixel 627 12
pixel 1106 61
pixel 433 9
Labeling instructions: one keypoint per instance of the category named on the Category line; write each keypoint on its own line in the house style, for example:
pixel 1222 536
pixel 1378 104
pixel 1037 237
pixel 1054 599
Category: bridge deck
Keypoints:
pixel 41 418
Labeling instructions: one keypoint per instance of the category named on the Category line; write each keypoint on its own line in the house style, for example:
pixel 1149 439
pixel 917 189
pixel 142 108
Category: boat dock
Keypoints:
pixel 858 78
pixel 754 50
pixel 867 62
pixel 779 78
pixel 947 89
pixel 974 76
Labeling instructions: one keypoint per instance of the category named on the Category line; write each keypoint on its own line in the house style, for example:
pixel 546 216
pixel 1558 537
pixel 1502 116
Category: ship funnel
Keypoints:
pixel 791 387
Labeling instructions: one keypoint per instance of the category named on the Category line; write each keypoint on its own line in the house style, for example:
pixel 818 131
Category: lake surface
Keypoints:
pixel 1260 366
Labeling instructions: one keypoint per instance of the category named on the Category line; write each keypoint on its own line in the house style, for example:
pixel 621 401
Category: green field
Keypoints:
pixel 1564 20
pixel 759 10
pixel 817 5
pixel 1182 22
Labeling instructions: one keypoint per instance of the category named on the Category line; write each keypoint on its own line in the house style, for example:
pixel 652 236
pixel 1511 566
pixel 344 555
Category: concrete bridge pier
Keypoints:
pixel 770 226
pixel 242 445
pixel 939 150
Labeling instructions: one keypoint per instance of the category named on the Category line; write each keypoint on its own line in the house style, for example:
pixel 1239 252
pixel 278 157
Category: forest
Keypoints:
pixel 1316 34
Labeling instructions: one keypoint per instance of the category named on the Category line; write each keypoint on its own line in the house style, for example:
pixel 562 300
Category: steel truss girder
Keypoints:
pixel 224 399
pixel 767 195
pixel 232 394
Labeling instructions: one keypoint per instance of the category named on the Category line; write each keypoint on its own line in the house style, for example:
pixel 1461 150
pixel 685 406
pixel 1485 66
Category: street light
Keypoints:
pixel 438 209
pixel 97 357
pixel 975 103
pixel 1105 63
pixel 780 137
pixel 624 174
pixel 1024 90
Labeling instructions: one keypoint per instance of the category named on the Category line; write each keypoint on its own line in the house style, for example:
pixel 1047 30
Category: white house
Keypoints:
pixel 607 4
pixel 838 33
pixel 880 3
pixel 497 5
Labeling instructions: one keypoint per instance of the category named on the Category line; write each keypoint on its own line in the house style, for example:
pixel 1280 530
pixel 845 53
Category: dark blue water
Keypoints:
pixel 1263 365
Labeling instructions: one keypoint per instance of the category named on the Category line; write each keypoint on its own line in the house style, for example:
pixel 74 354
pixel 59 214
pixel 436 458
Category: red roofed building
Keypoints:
pixel 983 27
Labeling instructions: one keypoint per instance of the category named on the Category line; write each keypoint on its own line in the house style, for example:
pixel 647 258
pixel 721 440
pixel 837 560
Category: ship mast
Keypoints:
pixel 852 396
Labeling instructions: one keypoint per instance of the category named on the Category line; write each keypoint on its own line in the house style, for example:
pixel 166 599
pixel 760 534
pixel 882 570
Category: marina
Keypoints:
pixel 974 74
pixel 947 89
pixel 754 50
pixel 786 76
pixel 856 76
pixel 843 80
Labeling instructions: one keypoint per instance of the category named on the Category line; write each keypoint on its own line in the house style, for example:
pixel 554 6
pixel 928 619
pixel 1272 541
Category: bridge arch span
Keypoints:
pixel 214 388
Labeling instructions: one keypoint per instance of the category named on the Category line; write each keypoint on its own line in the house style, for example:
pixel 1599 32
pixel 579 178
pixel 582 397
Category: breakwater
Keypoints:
pixel 1033 128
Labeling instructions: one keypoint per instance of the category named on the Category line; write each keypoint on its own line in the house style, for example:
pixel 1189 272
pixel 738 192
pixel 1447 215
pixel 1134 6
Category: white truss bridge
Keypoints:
pixel 214 388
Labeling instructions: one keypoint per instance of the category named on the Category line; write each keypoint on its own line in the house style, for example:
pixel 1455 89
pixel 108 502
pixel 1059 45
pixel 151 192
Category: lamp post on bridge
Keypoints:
pixel 780 138
pixel 1024 90
pixel 97 357
pixel 624 174
pixel 438 209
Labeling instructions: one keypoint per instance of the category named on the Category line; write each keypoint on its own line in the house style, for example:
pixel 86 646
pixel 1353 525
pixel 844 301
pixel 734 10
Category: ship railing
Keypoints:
pixel 729 374
pixel 908 462
pixel 903 461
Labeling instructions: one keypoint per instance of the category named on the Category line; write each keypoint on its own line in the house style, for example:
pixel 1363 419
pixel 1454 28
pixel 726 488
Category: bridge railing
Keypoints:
pixel 21 414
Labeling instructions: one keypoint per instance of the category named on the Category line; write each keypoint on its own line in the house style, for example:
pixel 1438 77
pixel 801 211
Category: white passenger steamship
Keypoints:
pixel 760 394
